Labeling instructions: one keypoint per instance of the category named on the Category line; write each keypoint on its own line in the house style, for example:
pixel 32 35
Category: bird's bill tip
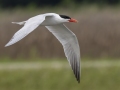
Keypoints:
pixel 73 20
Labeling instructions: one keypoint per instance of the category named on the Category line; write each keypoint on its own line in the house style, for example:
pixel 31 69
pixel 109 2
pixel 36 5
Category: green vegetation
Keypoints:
pixel 98 34
pixel 57 75
pixel 53 3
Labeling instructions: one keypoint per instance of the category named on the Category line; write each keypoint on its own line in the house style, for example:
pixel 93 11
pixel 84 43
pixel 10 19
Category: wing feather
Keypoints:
pixel 70 44
pixel 29 26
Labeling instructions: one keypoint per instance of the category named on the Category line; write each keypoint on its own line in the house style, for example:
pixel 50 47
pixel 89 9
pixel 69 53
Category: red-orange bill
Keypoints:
pixel 73 20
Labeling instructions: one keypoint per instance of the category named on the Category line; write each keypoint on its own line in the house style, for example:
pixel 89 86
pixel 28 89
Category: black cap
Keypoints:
pixel 64 16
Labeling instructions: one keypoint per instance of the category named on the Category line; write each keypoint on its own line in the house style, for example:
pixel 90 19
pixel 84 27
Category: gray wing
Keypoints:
pixel 70 44
pixel 29 26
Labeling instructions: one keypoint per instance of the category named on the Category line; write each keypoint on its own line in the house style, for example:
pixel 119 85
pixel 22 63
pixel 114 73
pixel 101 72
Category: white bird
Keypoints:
pixel 54 23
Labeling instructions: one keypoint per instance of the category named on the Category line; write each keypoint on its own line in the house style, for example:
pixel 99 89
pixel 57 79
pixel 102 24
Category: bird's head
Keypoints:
pixel 68 19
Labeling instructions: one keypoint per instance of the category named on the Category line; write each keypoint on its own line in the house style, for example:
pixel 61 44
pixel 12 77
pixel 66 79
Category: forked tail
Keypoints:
pixel 20 23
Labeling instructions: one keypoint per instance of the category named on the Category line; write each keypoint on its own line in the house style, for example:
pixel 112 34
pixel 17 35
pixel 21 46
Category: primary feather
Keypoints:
pixel 70 45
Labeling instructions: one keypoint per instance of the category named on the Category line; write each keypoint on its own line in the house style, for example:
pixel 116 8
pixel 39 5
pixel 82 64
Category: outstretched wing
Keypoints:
pixel 70 44
pixel 29 26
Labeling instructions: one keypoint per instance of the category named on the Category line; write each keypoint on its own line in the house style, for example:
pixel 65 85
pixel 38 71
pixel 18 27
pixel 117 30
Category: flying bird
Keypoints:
pixel 55 24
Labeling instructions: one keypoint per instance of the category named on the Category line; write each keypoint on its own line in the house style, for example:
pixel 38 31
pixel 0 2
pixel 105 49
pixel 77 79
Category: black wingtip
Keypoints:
pixel 78 78
pixel 77 75
pixel 75 67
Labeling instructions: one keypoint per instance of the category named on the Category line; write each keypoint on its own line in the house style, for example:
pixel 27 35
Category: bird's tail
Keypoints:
pixel 20 23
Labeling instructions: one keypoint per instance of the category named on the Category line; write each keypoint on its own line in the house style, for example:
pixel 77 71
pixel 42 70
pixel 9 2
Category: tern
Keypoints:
pixel 55 24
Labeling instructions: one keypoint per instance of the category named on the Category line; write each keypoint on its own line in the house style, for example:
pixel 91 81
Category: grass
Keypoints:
pixel 57 75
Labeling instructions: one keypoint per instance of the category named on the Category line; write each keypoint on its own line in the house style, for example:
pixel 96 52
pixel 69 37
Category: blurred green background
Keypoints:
pixel 38 62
